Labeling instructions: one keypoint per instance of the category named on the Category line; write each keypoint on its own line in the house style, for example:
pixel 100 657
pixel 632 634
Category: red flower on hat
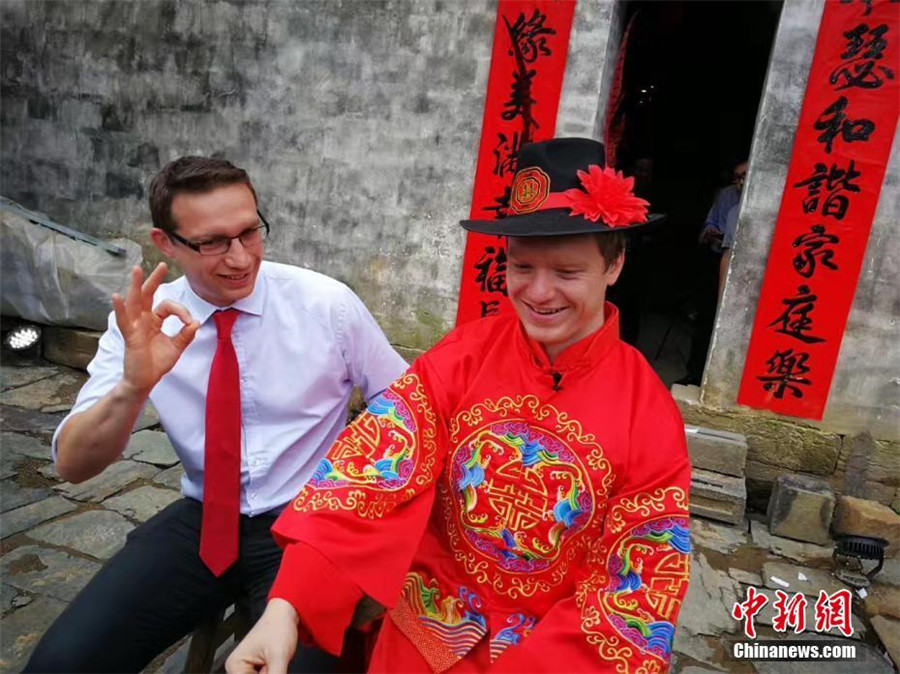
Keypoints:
pixel 608 195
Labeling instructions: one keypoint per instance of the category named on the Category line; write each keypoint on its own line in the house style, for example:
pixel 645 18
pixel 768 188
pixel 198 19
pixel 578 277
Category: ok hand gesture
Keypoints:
pixel 150 353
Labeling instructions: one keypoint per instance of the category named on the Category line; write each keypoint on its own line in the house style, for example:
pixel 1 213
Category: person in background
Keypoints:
pixel 706 293
pixel 727 198
pixel 731 221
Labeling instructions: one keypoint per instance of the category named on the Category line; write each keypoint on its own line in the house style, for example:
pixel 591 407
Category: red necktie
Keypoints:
pixel 222 462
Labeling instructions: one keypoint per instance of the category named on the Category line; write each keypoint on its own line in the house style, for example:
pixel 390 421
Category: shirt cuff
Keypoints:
pixel 322 596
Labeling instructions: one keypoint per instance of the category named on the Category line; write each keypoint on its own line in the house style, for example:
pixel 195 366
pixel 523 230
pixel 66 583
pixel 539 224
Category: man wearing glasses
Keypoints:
pixel 727 198
pixel 250 365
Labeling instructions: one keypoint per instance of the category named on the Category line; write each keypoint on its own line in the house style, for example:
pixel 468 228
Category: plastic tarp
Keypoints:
pixel 50 278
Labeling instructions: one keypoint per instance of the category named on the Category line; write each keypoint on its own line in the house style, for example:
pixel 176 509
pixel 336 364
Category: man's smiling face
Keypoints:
pixel 558 286
pixel 221 212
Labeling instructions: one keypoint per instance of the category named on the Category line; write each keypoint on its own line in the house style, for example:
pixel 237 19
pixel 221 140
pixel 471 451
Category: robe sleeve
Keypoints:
pixel 621 617
pixel 357 523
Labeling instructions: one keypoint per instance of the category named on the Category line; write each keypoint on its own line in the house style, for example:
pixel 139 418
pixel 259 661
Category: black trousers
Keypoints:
pixel 155 591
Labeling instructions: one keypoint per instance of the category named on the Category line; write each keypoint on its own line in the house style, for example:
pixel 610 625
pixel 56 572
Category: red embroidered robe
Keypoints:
pixel 513 514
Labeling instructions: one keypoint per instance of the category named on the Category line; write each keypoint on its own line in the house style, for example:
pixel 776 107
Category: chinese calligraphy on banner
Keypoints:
pixel 840 155
pixel 531 41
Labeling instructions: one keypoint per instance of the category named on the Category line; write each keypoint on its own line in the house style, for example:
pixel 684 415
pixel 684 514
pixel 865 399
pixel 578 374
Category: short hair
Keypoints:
pixel 192 175
pixel 611 244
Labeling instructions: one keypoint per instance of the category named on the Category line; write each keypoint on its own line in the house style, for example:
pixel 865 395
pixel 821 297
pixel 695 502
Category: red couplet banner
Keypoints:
pixel 840 154
pixel 531 42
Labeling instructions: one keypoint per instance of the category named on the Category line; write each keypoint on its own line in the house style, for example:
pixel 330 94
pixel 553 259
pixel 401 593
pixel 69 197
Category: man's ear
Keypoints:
pixel 162 241
pixel 613 271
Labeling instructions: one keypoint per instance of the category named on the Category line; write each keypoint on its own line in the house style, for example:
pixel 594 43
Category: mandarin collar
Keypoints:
pixel 586 351
pixel 201 310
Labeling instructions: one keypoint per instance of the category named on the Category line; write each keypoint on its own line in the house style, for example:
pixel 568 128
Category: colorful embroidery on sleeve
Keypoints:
pixel 380 459
pixel 455 621
pixel 519 627
pixel 638 591
pixel 386 414
pixel 645 542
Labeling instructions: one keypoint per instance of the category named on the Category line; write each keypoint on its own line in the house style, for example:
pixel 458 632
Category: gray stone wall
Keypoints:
pixel 593 49
pixel 358 121
pixel 865 393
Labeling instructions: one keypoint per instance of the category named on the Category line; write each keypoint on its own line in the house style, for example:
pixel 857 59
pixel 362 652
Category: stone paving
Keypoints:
pixel 55 536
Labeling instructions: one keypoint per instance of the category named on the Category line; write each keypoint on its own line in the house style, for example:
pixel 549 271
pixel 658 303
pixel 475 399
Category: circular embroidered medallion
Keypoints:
pixel 521 493
pixel 529 190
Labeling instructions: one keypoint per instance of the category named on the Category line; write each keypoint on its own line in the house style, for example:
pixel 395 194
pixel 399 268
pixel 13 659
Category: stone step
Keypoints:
pixel 888 632
pixel 718 451
pixel 801 508
pixel 718 497
pixel 72 347
pixel 861 517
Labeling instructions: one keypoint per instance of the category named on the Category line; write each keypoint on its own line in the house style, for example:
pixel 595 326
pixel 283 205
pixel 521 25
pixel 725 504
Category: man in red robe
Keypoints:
pixel 518 500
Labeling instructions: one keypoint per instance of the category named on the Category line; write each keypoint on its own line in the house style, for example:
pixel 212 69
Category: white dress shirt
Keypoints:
pixel 303 340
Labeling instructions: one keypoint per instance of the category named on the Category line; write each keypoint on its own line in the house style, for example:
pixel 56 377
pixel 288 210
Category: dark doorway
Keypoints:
pixel 691 83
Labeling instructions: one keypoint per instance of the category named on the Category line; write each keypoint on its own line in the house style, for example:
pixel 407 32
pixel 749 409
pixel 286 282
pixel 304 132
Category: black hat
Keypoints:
pixel 562 186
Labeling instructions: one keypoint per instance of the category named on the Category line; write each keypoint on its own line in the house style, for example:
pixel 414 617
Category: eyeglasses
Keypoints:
pixel 222 244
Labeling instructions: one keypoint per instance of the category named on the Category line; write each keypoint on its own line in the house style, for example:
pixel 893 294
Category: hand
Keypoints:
pixel 149 353
pixel 270 645
pixel 710 234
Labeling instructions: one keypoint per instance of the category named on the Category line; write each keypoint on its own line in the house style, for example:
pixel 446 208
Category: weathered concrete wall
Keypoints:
pixel 593 49
pixel 865 393
pixel 358 121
